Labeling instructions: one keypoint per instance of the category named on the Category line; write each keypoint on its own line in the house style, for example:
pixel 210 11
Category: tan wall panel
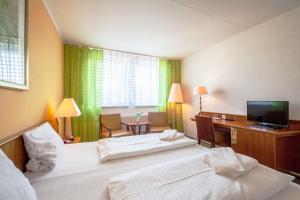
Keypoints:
pixel 22 109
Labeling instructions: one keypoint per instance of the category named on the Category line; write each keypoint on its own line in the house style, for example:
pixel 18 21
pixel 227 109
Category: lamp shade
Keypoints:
pixel 68 108
pixel 175 95
pixel 200 90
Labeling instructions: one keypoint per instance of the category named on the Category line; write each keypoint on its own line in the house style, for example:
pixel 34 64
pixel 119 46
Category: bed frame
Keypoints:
pixel 13 146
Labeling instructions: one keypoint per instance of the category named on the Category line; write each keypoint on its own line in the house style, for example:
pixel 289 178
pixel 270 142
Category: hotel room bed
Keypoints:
pixel 83 176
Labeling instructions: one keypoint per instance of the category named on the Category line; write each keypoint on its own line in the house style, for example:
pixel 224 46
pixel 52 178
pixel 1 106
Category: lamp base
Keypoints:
pixel 200 101
pixel 68 129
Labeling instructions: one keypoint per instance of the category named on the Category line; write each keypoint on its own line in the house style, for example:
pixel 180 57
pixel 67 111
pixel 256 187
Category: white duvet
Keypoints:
pixel 192 178
pixel 122 147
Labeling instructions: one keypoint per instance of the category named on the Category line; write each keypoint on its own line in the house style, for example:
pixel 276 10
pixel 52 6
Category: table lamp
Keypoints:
pixel 200 90
pixel 68 109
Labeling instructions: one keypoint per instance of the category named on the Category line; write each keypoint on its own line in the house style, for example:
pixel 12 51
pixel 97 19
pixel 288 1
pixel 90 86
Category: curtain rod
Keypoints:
pixel 139 54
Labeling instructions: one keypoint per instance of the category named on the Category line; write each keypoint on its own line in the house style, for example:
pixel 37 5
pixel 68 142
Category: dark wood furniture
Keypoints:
pixel 131 125
pixel 206 131
pixel 278 149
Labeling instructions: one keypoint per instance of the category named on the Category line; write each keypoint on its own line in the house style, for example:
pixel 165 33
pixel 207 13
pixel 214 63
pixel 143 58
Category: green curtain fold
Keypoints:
pixel 82 79
pixel 170 72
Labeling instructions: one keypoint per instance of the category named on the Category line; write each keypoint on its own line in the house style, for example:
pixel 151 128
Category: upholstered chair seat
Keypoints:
pixel 116 133
pixel 159 129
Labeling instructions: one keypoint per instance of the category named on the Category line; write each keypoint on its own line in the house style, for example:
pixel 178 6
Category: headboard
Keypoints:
pixel 13 146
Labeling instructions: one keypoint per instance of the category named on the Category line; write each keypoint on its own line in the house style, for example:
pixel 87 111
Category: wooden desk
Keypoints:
pixel 278 149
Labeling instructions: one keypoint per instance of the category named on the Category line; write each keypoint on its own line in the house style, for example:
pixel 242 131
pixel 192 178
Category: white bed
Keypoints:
pixel 83 176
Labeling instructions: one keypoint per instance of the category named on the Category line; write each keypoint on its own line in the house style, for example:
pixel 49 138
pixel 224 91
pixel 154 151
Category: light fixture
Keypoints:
pixel 200 90
pixel 68 109
pixel 175 95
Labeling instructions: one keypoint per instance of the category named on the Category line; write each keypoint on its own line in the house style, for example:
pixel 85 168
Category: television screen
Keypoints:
pixel 275 113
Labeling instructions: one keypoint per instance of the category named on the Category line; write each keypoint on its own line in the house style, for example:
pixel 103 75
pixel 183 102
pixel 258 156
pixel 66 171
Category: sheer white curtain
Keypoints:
pixel 129 79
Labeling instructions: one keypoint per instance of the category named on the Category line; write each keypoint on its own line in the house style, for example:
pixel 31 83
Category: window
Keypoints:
pixel 13 68
pixel 11 61
pixel 129 79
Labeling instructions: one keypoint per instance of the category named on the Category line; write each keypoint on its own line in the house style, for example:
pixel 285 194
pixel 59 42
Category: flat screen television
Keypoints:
pixel 274 114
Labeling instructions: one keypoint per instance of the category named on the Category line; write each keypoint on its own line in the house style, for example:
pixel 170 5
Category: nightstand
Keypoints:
pixel 75 140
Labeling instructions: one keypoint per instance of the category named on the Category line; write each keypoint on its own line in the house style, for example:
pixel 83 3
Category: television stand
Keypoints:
pixel 265 126
pixel 278 149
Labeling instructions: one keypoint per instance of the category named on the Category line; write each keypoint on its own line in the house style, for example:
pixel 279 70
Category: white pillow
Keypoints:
pixel 13 184
pixel 224 161
pixel 45 148
pixel 170 134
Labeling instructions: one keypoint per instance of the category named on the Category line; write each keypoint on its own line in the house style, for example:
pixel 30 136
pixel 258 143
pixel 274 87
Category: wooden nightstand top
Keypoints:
pixel 76 140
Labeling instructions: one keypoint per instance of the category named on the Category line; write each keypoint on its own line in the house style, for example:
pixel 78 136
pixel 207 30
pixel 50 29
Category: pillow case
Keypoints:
pixel 170 135
pixel 13 184
pixel 225 162
pixel 45 148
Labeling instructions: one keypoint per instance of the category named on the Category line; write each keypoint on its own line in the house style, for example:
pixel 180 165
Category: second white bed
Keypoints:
pixel 83 176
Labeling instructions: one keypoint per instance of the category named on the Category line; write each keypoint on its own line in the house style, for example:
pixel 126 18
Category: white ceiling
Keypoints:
pixel 165 28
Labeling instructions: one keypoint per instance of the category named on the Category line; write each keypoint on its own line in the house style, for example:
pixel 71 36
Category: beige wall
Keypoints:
pixel 22 109
pixel 262 63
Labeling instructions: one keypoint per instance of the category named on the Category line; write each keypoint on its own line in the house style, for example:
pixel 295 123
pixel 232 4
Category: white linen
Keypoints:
pixel 91 181
pixel 122 147
pixel 44 148
pixel 193 178
pixel 169 135
pixel 226 162
pixel 292 192
pixel 78 158
pixel 13 184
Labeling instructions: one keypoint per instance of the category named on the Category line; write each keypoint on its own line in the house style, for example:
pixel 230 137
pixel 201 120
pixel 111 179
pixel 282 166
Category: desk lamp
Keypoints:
pixel 200 90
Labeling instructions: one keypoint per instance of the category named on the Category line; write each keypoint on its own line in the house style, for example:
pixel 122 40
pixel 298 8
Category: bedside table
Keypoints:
pixel 75 140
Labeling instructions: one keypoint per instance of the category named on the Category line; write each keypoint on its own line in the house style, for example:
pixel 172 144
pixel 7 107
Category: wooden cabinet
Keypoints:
pixel 256 144
pixel 273 150
pixel 278 149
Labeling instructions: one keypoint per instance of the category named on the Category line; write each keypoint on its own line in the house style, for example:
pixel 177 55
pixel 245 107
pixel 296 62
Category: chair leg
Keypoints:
pixel 212 145
pixel 147 129
pixel 199 140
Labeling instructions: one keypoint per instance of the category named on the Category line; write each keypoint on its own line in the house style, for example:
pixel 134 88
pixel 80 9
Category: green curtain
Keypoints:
pixel 170 72
pixel 82 79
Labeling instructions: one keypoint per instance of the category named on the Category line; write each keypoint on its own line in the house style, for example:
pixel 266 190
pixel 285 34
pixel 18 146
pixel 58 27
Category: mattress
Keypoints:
pixel 84 177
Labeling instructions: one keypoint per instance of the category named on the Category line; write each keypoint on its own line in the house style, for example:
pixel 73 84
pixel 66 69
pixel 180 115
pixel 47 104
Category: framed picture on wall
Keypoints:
pixel 13 44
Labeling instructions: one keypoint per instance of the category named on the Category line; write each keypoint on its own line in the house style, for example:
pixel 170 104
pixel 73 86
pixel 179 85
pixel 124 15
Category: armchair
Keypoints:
pixel 111 126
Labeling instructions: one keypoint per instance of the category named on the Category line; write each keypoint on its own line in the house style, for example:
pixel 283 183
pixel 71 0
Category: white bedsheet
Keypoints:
pixel 122 147
pixel 192 177
pixel 91 183
pixel 78 158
